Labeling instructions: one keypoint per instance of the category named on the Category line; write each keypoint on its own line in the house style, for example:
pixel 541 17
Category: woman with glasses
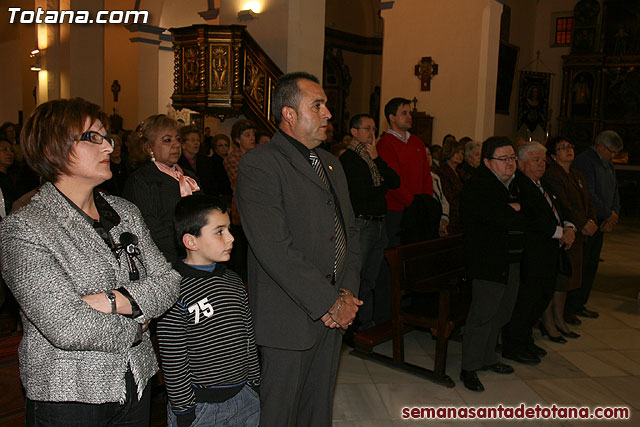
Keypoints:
pixel 85 356
pixel 157 186
pixel 576 206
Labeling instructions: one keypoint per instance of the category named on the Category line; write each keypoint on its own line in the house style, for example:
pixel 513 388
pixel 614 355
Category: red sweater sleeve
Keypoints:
pixel 400 198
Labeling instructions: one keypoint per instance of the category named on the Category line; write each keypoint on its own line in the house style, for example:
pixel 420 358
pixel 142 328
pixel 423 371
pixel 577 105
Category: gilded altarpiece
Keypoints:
pixel 601 76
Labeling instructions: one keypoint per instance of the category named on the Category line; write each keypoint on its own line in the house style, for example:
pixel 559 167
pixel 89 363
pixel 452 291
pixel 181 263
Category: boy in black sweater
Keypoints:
pixel 207 347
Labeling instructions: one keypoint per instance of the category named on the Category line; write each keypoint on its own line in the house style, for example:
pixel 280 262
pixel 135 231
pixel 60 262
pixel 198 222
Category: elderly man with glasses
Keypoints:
pixel 546 233
pixel 493 245
pixel 600 178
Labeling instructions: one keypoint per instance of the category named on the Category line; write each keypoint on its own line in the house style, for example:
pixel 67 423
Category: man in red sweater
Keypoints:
pixel 405 153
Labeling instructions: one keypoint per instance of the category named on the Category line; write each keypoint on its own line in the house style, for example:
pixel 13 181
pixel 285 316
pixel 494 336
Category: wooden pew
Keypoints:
pixel 428 291
pixel 12 397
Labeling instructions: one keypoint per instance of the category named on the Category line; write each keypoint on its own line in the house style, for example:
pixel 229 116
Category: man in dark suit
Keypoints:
pixel 544 234
pixel 493 247
pixel 596 165
pixel 303 260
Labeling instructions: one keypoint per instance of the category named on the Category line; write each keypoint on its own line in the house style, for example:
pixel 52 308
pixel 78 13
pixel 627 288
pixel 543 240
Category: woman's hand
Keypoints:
pixel 101 303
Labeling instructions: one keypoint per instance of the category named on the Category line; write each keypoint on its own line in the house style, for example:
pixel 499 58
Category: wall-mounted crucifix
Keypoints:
pixel 425 70
pixel 115 88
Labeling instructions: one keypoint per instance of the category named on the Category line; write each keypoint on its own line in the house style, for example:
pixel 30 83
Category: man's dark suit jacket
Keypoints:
pixel 540 258
pixel 487 219
pixel 287 214
pixel 600 178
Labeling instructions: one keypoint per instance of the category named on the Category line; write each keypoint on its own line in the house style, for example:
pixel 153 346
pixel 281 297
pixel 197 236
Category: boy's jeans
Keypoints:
pixel 243 409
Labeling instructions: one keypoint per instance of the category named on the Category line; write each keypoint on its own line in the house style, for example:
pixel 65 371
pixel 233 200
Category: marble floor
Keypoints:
pixel 601 368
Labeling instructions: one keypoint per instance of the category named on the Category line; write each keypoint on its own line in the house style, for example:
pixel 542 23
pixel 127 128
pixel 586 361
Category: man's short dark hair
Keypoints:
pixel 393 105
pixel 191 214
pixel 356 121
pixel 491 144
pixel 287 92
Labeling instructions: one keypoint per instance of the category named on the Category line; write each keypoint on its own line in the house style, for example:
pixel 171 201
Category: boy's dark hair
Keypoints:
pixel 491 144
pixel 287 92
pixel 191 214
pixel 393 105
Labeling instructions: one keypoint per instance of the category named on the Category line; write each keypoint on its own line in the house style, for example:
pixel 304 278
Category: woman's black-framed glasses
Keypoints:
pixel 95 138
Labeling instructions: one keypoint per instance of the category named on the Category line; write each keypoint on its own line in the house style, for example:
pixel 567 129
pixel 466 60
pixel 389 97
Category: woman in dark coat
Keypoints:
pixel 452 156
pixel 575 204
pixel 220 148
pixel 157 186
pixel 197 164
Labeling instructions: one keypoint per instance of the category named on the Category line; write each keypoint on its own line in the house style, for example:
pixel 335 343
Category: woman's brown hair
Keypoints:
pixel 450 148
pixel 48 136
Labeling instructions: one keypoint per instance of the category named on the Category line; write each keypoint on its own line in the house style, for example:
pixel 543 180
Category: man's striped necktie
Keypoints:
pixel 340 238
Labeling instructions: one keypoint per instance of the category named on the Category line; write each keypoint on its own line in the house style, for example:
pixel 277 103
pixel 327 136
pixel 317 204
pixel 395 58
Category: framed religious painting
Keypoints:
pixel 533 100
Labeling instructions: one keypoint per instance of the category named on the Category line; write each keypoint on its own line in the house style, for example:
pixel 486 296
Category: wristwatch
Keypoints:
pixel 112 300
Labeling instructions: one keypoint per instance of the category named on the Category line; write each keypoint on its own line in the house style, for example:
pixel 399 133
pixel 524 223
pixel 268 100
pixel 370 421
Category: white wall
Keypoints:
pixel 462 37
pixel 305 42
pixel 16 80
pixel 291 32
pixel 10 82
pixel 270 29
pixel 82 56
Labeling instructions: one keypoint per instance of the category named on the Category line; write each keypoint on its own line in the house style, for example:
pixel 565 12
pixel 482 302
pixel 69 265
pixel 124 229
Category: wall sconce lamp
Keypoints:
pixel 247 15
pixel 35 54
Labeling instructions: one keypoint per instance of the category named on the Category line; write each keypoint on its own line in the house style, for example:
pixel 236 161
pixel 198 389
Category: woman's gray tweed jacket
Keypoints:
pixel 50 257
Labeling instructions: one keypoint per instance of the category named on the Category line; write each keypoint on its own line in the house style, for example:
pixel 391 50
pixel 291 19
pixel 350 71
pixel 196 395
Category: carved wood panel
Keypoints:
pixel 190 69
pixel 221 71
pixel 254 82
pixel 219 68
